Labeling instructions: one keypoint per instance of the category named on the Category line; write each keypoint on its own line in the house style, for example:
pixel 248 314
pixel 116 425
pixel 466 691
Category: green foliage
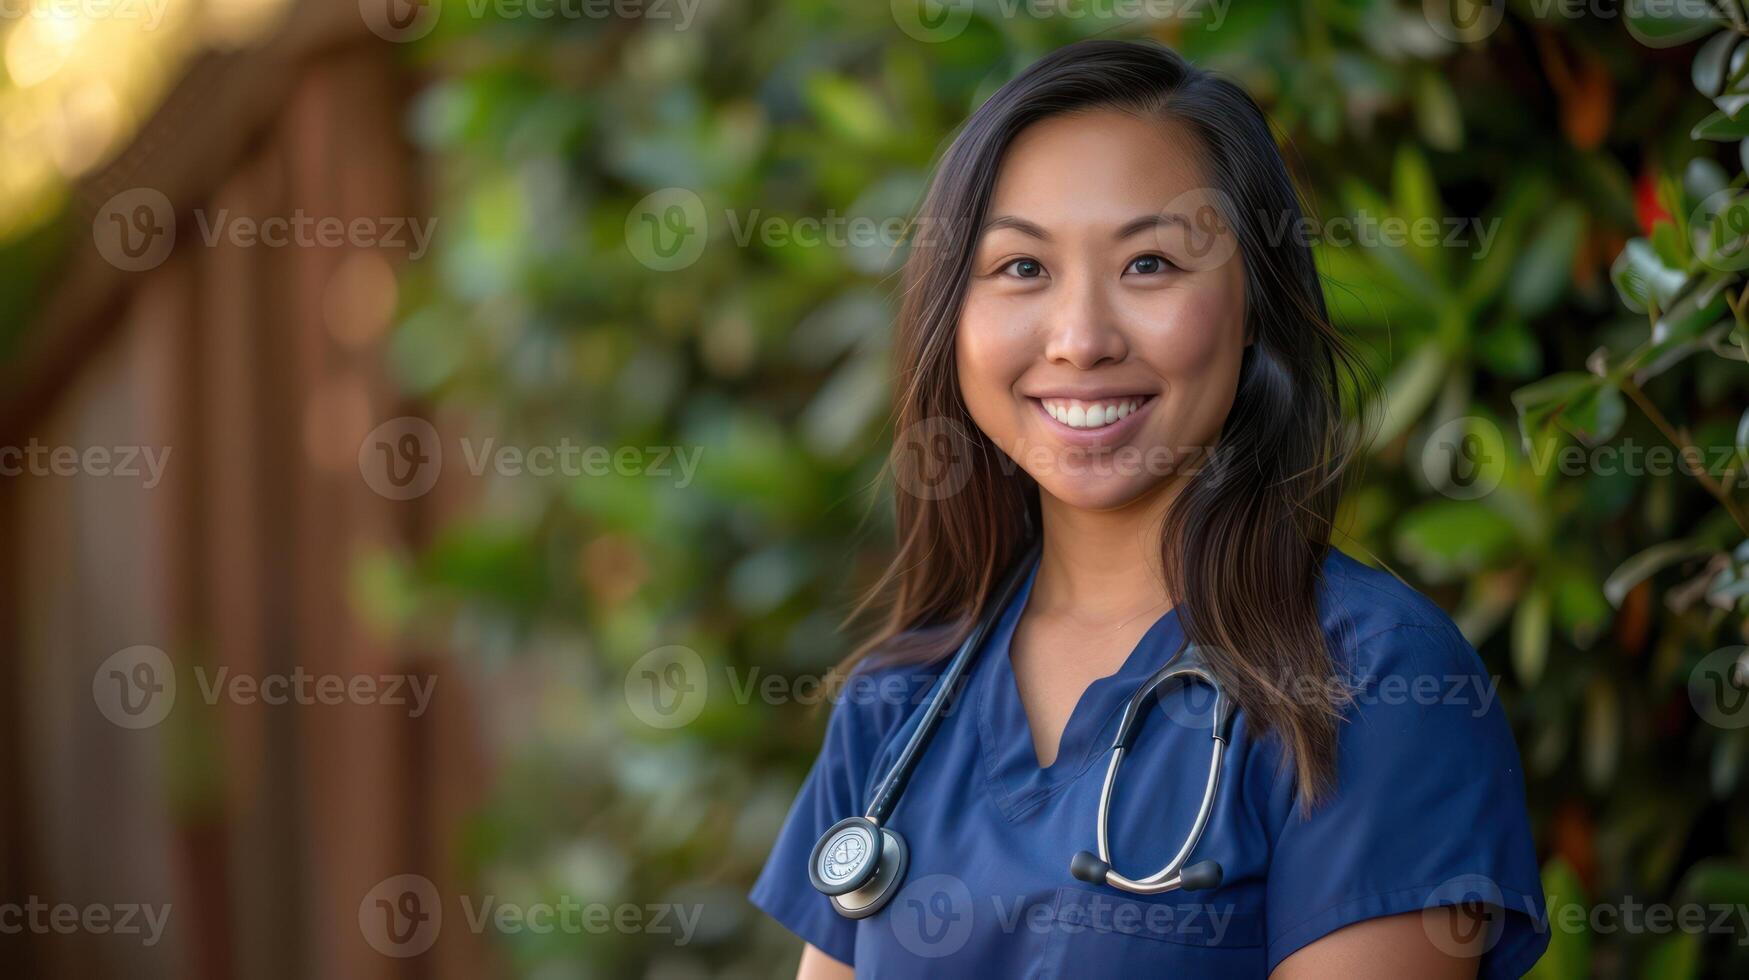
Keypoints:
pixel 768 354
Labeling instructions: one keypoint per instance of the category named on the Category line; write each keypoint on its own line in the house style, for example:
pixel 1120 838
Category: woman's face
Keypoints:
pixel 1104 319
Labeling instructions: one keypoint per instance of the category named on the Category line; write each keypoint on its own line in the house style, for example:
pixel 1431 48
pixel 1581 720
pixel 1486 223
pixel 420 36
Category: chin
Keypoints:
pixel 1098 492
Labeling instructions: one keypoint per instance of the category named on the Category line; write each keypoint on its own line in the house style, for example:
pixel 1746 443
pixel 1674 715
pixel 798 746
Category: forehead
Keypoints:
pixel 1096 168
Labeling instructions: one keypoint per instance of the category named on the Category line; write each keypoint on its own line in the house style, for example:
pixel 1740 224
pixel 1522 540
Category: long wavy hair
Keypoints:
pixel 1244 540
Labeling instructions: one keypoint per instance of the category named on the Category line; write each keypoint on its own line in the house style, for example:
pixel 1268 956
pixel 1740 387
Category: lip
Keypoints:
pixel 1105 435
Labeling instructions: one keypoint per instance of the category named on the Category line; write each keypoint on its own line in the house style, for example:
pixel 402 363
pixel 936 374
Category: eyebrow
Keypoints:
pixel 1019 224
pixel 1150 221
pixel 1131 227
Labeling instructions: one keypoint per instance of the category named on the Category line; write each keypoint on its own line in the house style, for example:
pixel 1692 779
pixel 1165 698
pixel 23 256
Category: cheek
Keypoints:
pixel 1200 340
pixel 992 352
pixel 1197 352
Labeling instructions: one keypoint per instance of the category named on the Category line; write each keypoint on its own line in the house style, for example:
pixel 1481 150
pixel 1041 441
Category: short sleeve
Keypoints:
pixel 864 714
pixel 1429 808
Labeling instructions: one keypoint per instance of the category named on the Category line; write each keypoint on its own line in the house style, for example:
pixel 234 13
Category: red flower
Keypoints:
pixel 1646 203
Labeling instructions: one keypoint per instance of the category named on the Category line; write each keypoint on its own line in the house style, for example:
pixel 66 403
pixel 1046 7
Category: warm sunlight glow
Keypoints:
pixel 80 76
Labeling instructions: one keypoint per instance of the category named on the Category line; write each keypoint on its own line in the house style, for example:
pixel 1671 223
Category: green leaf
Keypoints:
pixel 1580 607
pixel 1703 177
pixel 1569 954
pixel 1731 104
pixel 1666 25
pixel 849 109
pixel 1727 763
pixel 1645 565
pixel 1409 390
pixel 1448 538
pixel 1669 238
pixel 1711 63
pixel 1415 193
pixel 1743 438
pixel 1546 265
pixel 1676 957
pixel 1509 349
pixel 1597 415
pixel 1718 880
pixel 1601 745
pixel 1641 277
pixel 1436 112
pixel 1687 328
pixel 1723 246
pixel 1541 402
pixel 1720 128
pixel 1530 636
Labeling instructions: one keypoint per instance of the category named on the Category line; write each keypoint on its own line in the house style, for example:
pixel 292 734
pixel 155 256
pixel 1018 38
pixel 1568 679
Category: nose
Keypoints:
pixel 1083 331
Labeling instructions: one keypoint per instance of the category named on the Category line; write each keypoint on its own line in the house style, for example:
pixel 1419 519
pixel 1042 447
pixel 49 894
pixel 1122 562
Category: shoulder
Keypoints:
pixel 880 696
pixel 872 701
pixel 1378 625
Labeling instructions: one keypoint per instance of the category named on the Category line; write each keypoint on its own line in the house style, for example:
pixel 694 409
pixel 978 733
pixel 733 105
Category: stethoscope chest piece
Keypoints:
pixel 859 864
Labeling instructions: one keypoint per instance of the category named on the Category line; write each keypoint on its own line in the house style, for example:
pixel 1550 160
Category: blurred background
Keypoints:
pixel 440 441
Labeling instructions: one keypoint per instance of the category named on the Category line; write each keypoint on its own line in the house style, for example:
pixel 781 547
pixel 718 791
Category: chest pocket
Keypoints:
pixel 1100 932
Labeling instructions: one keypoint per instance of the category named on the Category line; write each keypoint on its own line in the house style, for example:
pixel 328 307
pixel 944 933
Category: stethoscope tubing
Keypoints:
pixel 862 883
pixel 887 794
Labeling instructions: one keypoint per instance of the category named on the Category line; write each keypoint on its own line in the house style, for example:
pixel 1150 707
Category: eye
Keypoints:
pixel 1148 265
pixel 1024 269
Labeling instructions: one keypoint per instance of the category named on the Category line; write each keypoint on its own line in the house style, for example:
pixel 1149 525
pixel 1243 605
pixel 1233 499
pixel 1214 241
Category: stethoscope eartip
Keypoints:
pixel 1085 866
pixel 1201 876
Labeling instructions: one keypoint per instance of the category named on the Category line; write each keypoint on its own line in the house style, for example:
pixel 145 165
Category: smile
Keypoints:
pixel 1078 414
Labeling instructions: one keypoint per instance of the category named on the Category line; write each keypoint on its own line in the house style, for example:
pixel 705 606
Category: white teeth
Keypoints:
pixel 1089 415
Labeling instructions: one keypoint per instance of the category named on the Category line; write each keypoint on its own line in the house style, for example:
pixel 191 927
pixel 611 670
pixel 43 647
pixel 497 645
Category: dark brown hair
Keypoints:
pixel 1245 539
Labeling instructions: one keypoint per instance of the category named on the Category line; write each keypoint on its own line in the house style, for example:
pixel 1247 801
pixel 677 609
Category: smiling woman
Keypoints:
pixel 1107 308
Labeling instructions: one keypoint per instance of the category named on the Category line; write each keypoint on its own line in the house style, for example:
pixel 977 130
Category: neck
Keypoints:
pixel 1103 566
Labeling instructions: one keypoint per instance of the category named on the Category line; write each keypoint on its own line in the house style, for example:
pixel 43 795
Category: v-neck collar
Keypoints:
pixel 1011 768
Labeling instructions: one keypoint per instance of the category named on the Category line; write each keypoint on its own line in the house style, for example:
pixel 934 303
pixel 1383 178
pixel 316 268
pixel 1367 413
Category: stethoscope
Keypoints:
pixel 860 862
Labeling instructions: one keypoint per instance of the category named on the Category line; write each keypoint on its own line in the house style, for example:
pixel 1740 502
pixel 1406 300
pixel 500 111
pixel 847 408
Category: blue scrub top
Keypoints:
pixel 1429 810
